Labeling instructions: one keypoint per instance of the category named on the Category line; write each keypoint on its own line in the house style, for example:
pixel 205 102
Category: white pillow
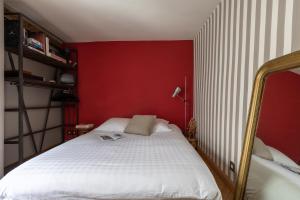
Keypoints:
pixel 114 125
pixel 160 126
pixel 261 150
pixel 281 158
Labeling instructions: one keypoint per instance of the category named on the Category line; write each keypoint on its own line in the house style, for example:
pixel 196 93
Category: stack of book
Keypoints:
pixel 35 44
pixel 39 42
pixel 36 41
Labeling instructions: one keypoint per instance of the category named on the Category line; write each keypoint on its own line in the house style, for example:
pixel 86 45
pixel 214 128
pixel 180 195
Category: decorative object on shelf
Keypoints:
pixel 191 133
pixel 192 129
pixel 84 128
pixel 67 78
pixel 183 99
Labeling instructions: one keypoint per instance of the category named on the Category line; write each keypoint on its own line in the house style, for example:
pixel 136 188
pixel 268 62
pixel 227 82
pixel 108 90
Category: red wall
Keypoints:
pixel 279 123
pixel 120 79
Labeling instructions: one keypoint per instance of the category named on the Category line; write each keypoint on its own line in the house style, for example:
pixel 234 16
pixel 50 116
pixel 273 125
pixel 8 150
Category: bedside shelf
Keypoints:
pixel 39 57
pixel 18 29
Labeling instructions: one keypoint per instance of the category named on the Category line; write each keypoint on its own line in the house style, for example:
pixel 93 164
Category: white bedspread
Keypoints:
pixel 161 166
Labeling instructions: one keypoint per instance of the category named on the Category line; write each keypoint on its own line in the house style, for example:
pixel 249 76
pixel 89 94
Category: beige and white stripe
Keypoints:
pixel 236 39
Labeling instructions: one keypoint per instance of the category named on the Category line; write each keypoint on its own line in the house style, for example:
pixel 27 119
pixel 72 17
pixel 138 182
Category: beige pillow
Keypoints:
pixel 141 125
pixel 261 150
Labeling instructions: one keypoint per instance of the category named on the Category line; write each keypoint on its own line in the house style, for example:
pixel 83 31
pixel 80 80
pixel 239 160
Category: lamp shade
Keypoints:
pixel 176 91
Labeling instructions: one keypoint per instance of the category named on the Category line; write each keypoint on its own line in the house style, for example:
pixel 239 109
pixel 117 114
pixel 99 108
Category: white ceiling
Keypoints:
pixel 118 20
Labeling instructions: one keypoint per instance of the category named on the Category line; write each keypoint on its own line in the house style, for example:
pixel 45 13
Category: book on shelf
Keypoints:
pixel 39 38
pixel 47 46
pixel 35 43
pixel 25 36
pixel 35 49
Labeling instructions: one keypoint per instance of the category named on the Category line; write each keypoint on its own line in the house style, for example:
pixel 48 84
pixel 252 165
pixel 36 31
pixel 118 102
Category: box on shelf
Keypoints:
pixel 84 128
pixel 54 52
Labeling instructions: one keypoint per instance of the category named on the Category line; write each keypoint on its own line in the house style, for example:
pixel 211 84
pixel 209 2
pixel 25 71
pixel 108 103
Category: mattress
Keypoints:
pixel 268 180
pixel 161 166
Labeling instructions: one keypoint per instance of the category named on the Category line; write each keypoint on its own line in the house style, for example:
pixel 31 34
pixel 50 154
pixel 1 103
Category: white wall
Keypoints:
pixel 237 38
pixel 1 88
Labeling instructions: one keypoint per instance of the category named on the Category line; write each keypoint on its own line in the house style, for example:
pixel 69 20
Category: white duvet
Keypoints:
pixel 269 181
pixel 161 166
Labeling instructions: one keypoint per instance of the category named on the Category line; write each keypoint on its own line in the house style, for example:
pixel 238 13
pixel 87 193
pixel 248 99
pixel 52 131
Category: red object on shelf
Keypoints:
pixel 70 133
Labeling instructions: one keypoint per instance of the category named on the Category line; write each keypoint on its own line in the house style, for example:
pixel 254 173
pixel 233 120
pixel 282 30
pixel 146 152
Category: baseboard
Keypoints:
pixel 216 169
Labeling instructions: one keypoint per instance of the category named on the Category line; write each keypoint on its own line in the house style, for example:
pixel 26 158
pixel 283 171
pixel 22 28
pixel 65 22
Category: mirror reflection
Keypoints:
pixel 274 172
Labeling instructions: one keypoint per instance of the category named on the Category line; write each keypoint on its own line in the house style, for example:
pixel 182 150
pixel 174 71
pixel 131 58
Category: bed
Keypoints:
pixel 269 180
pixel 160 166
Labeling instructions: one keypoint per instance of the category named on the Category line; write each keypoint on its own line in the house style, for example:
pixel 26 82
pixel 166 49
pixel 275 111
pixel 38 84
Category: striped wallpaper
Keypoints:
pixel 237 38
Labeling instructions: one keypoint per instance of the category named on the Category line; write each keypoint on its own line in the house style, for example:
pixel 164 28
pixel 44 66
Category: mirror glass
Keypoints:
pixel 274 172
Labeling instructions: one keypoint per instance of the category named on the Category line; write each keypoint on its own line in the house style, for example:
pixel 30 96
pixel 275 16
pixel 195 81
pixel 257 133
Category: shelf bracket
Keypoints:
pixel 47 113
pixel 27 121
pixel 46 120
pixel 12 64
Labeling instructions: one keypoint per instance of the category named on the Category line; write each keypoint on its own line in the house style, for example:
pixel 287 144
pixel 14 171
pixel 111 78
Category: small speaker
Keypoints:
pixel 11 33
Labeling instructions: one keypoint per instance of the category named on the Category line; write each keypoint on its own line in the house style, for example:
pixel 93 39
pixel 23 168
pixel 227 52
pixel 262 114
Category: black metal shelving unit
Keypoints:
pixel 21 50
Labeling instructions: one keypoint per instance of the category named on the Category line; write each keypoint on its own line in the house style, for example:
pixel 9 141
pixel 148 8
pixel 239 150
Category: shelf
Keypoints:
pixel 66 102
pixel 39 57
pixel 32 108
pixel 33 133
pixel 36 83
pixel 19 26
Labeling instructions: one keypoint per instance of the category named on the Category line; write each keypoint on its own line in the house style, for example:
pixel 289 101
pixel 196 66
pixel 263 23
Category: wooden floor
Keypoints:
pixel 225 187
pixel 227 192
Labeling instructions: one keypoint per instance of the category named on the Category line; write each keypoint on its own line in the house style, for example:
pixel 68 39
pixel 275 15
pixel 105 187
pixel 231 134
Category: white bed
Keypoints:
pixel 268 180
pixel 161 166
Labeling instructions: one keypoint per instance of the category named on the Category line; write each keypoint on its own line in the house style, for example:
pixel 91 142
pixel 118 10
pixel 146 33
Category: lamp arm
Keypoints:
pixel 182 99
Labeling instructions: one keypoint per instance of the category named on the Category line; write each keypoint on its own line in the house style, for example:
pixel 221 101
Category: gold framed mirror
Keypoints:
pixel 282 64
